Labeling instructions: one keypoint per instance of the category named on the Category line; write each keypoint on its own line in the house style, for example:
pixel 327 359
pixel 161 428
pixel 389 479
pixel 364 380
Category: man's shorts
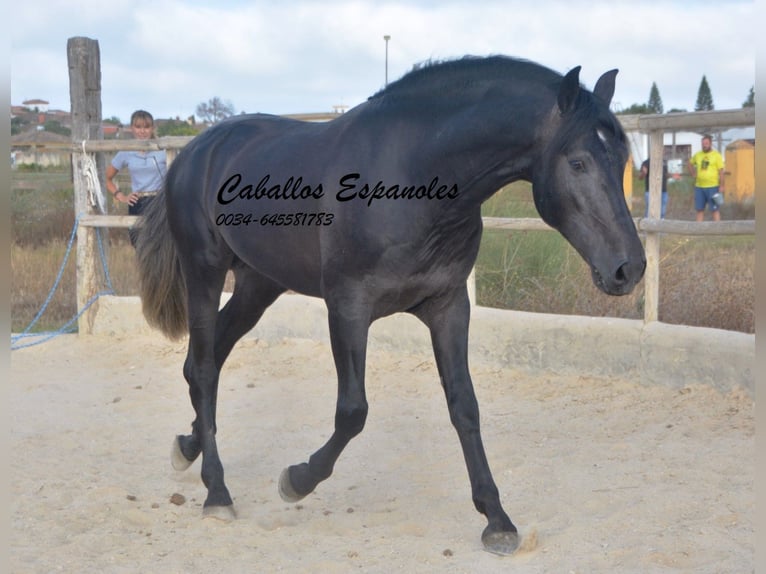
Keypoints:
pixel 704 196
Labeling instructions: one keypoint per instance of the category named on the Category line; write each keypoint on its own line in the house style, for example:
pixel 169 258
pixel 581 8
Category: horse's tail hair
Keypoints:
pixel 161 281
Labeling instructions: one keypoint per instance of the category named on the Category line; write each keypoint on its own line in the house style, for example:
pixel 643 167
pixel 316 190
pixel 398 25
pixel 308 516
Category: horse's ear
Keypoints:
pixel 605 86
pixel 570 87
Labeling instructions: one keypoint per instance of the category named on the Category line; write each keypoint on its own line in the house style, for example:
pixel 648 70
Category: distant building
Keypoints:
pixel 110 130
pixel 17 111
pixel 41 148
pixel 41 105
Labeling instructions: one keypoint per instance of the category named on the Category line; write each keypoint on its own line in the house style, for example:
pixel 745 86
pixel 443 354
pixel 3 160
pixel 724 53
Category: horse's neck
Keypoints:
pixel 481 166
pixel 469 143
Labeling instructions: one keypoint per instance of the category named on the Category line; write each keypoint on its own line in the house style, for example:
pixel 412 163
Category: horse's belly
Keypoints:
pixel 288 256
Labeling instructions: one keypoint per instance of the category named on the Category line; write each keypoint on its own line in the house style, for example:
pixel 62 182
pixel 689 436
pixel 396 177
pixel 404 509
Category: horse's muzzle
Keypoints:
pixel 622 278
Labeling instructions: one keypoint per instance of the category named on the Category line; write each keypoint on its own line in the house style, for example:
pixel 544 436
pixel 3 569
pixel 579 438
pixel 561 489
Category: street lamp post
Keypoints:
pixel 386 38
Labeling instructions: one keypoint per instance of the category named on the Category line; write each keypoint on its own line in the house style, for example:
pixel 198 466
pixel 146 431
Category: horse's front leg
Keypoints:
pixel 348 337
pixel 447 319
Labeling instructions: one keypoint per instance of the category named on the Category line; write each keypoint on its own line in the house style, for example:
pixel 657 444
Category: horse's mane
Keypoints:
pixel 445 81
pixel 444 76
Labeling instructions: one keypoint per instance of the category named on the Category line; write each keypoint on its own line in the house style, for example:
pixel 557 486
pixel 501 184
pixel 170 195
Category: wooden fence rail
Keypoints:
pixel 86 113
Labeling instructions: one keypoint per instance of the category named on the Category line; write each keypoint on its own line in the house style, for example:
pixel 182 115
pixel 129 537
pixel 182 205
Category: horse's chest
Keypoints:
pixel 405 272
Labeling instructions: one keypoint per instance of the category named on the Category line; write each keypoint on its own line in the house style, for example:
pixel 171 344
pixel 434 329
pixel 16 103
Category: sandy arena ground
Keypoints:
pixel 599 475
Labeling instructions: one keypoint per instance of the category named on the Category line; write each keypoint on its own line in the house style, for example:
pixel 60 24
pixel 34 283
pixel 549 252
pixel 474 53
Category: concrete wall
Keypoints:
pixel 656 353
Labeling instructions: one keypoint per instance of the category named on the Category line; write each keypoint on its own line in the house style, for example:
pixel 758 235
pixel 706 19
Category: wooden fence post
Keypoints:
pixel 84 61
pixel 652 247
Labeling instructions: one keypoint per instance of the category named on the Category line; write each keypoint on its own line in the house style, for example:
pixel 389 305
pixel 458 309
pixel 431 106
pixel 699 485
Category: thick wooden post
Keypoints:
pixel 84 61
pixel 652 276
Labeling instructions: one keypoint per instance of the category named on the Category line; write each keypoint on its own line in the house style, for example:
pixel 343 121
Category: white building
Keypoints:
pixel 41 105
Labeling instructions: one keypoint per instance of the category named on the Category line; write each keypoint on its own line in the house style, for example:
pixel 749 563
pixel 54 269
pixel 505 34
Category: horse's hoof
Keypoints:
pixel 177 458
pixel 286 490
pixel 503 543
pixel 222 513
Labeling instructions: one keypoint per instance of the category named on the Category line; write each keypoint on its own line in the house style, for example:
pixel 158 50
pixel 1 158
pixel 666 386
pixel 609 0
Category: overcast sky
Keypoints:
pixel 297 56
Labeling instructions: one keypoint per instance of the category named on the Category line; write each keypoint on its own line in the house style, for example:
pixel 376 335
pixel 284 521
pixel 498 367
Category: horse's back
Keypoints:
pixel 272 189
pixel 233 137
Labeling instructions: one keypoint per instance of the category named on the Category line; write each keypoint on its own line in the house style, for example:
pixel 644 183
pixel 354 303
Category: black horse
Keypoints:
pixel 378 212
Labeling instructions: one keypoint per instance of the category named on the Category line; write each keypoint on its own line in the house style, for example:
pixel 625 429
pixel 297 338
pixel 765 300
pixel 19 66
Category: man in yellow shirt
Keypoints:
pixel 706 167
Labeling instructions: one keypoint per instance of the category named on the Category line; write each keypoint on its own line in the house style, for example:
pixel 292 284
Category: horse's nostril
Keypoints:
pixel 621 275
pixel 629 273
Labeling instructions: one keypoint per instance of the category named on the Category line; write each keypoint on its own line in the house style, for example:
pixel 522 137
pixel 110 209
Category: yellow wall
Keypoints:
pixel 740 170
pixel 627 183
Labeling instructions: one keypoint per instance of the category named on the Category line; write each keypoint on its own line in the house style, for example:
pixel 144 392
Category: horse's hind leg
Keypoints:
pixel 447 318
pixel 348 336
pixel 204 283
pixel 252 295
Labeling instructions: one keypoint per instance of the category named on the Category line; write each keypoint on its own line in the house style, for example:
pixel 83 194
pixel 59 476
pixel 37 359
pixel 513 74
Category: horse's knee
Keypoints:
pixel 350 419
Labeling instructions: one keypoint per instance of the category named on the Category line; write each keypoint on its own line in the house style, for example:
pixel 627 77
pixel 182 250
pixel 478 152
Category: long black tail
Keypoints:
pixel 162 287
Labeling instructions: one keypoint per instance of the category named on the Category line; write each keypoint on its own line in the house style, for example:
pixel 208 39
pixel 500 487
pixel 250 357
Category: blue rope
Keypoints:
pixel 70 325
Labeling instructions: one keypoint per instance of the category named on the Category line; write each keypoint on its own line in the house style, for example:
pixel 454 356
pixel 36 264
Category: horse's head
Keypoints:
pixel 578 184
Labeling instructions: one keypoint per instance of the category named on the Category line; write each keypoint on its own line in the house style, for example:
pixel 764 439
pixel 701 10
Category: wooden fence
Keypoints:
pixel 86 115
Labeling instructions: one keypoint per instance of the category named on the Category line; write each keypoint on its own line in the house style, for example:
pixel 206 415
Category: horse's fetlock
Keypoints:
pixel 485 498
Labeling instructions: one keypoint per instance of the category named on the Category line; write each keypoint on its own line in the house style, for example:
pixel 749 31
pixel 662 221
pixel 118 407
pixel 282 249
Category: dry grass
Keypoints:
pixel 709 282
pixel 33 274
pixel 704 282
pixel 35 270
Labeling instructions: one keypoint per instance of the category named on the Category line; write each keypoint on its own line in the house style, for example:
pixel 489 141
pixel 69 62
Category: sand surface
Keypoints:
pixel 599 475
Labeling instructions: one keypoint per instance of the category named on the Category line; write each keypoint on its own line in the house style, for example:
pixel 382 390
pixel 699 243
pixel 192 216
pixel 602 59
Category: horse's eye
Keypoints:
pixel 577 165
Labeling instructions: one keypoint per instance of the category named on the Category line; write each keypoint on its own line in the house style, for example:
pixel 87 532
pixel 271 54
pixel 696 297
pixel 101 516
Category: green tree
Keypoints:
pixel 704 97
pixel 636 109
pixel 176 128
pixel 750 101
pixel 655 101
pixel 54 126
pixel 214 110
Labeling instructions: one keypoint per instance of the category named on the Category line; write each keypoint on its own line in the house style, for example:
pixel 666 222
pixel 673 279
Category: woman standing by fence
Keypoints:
pixel 147 170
